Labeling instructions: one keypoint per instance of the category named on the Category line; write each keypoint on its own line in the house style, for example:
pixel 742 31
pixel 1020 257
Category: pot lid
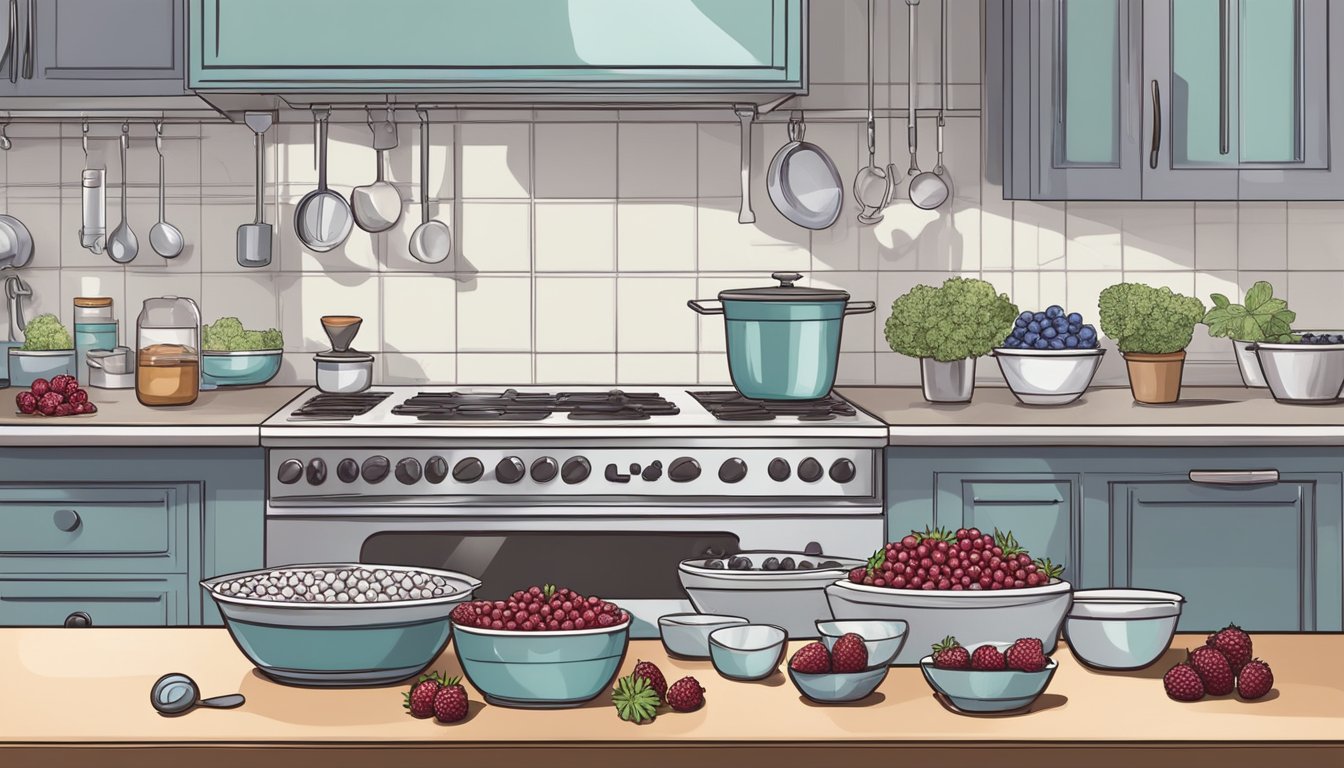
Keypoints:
pixel 348 356
pixel 785 291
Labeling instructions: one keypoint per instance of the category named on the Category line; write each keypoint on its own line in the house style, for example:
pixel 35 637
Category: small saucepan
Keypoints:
pixel 783 340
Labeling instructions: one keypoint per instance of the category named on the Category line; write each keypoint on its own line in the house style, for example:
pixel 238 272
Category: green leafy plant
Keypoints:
pixel 228 335
pixel 45 333
pixel 1261 318
pixel 962 318
pixel 1149 320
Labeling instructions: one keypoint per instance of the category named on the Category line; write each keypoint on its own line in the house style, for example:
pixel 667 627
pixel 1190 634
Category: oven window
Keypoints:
pixel 610 564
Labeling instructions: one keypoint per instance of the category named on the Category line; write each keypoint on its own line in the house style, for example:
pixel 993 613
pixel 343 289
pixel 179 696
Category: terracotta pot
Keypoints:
pixel 1155 378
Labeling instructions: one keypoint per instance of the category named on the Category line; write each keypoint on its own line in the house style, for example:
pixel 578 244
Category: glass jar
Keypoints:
pixel 168 352
pixel 94 329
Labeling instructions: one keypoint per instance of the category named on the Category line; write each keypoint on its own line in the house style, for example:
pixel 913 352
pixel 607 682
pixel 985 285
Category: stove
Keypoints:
pixel 599 489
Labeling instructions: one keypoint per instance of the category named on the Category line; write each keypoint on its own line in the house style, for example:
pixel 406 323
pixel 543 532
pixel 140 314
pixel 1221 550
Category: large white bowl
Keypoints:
pixel 974 617
pixel 1048 376
pixel 793 599
pixel 1121 628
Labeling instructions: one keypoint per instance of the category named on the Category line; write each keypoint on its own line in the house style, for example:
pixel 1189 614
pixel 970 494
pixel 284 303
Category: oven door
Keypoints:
pixel 631 559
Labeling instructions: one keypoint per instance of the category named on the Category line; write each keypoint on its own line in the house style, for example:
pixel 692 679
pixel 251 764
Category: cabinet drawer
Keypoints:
pixel 125 602
pixel 50 527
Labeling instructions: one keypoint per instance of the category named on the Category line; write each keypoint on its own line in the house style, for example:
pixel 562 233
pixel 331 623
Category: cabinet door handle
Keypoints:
pixel 78 619
pixel 1157 127
pixel 1235 476
pixel 1223 128
pixel 12 41
pixel 30 34
pixel 66 519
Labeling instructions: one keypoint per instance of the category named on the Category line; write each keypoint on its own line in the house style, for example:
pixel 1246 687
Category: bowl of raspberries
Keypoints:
pixel 841 669
pixel 541 647
pixel 991 677
pixel 61 396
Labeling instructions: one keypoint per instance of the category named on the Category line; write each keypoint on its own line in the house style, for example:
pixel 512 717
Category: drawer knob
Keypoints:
pixel 78 619
pixel 66 519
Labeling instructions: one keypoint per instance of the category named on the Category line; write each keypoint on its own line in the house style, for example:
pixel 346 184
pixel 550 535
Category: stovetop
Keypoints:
pixel 512 405
pixel 733 406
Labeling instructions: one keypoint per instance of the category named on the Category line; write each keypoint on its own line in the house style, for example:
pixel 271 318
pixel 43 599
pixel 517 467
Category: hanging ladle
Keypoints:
pixel 929 189
pixel 164 238
pixel 432 241
pixel 121 244
pixel 873 187
pixel 176 694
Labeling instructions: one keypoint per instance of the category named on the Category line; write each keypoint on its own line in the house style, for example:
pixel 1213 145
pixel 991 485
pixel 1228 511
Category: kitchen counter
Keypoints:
pixel 219 417
pixel 69 692
pixel 1103 416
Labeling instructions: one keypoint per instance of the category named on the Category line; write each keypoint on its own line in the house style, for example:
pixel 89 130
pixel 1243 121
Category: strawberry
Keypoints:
pixel 986 658
pixel 1027 654
pixel 1254 680
pixel 1213 669
pixel 812 659
pixel 686 695
pixel 1183 684
pixel 1235 645
pixel 949 654
pixel 420 699
pixel 450 702
pixel 849 654
pixel 649 671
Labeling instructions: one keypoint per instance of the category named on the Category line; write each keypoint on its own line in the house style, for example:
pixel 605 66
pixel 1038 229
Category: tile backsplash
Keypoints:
pixel 579 235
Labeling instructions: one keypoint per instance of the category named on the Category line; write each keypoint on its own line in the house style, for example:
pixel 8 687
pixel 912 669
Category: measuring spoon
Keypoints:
pixel 176 694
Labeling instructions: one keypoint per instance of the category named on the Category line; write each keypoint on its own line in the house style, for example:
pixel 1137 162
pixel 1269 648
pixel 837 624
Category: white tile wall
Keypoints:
pixel 579 235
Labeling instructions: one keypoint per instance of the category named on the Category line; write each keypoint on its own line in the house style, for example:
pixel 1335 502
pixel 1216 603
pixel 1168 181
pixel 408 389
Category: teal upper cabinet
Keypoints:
pixel 498 45
pixel 1166 100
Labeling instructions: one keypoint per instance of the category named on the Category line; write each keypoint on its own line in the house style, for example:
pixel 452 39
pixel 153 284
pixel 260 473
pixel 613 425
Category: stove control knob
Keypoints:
pixel 842 471
pixel 317 472
pixel 575 470
pixel 544 469
pixel 732 470
pixel 510 470
pixel 436 469
pixel 290 471
pixel 408 471
pixel 779 470
pixel 809 470
pixel 683 470
pixel 468 470
pixel 347 471
pixel 374 470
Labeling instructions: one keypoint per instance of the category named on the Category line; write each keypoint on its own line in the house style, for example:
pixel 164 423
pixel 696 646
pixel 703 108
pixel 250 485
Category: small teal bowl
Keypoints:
pixel 988 691
pixel 882 637
pixel 686 635
pixel 747 652
pixel 839 687
pixel 541 670
pixel 240 369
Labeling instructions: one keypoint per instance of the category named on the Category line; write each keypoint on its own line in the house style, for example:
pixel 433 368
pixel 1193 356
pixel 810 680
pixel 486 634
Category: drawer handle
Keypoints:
pixel 78 619
pixel 66 519
pixel 1235 476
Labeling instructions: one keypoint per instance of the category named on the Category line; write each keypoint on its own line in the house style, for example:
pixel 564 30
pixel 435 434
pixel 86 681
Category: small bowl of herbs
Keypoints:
pixel 232 356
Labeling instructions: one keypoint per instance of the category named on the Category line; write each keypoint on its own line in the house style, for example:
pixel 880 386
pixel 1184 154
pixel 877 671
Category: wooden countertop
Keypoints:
pixel 68 692
pixel 1102 416
pixel 230 416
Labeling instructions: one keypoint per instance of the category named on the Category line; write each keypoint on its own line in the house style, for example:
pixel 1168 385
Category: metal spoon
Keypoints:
pixel 121 244
pixel 432 241
pixel 164 238
pixel 176 694
pixel 928 189
pixel 873 187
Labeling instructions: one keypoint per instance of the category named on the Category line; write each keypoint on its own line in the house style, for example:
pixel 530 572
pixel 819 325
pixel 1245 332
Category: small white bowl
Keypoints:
pixel 1048 376
pixel 687 634
pixel 748 652
pixel 1121 628
pixel 882 637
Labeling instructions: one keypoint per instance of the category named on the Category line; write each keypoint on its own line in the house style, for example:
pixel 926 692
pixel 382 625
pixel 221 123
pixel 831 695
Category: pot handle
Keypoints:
pixel 699 305
pixel 860 307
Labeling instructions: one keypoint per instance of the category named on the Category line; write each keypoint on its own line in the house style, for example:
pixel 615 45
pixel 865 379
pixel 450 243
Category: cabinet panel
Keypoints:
pixel 100 48
pixel 95 527
pixel 1037 510
pixel 120 602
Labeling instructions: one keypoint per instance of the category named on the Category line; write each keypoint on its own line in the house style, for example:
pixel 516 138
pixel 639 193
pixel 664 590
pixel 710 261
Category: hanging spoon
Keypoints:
pixel 122 245
pixel 432 241
pixel 164 238
pixel 5 143
pixel 873 187
pixel 176 694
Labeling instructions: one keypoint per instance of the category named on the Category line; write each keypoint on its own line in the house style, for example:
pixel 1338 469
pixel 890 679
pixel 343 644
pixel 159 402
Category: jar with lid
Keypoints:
pixel 168 352
pixel 95 328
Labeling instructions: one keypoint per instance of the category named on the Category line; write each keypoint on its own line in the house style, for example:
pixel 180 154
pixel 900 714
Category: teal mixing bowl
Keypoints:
pixel 547 669
pixel 240 369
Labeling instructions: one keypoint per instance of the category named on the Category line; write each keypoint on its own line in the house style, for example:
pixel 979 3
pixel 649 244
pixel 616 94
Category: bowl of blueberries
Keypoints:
pixel 1050 357
pixel 786 589
pixel 1307 369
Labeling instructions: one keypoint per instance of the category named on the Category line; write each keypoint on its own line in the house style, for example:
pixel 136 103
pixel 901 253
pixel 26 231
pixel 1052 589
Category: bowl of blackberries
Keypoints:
pixel 786 589
pixel 1306 367
pixel 1050 357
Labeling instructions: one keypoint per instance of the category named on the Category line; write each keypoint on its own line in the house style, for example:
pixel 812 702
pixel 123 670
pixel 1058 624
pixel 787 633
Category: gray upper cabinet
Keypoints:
pixel 95 48
pixel 1166 100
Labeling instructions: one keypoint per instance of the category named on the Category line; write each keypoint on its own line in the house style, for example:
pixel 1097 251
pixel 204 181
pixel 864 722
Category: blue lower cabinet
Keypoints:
pixel 1037 509
pixel 112 601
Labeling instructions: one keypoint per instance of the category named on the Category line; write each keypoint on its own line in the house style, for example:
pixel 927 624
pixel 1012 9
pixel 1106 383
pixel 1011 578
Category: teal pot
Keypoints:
pixel 240 369
pixel 26 366
pixel 784 340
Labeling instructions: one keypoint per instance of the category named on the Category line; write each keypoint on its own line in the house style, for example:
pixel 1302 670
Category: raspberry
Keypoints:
pixel 76 396
pixel 849 654
pixel 987 658
pixel 39 387
pixel 26 401
pixel 812 659
pixel 47 403
pixel 1255 680
pixel 420 699
pixel 63 410
pixel 1027 655
pixel 686 695
pixel 1183 684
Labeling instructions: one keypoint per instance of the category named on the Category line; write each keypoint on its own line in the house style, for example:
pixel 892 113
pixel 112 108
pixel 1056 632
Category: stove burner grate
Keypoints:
pixel 512 405
pixel 732 406
pixel 337 407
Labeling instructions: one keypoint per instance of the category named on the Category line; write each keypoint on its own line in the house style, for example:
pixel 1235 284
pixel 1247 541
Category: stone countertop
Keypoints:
pixel 219 417
pixel 1205 416
pixel 1104 718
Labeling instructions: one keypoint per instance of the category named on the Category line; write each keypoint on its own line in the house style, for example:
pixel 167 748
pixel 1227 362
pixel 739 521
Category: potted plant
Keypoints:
pixel 47 351
pixel 1151 327
pixel 947 328
pixel 1261 318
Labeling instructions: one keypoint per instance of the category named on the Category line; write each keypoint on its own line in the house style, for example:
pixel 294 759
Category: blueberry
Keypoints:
pixel 786 564
pixel 1053 311
pixel 1020 323
pixel 1087 332
pixel 1019 333
pixel 1011 341
pixel 1031 338
pixel 1056 343
pixel 1070 341
pixel 1049 333
pixel 770 564
pixel 1025 317
pixel 1074 328
pixel 1034 327
pixel 1061 324
pixel 714 565
pixel 1041 344
pixel 1087 343
pixel 1075 318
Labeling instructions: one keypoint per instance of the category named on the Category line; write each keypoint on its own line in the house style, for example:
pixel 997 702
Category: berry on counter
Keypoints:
pixel 1183 683
pixel 812 659
pixel 1213 669
pixel 635 699
pixel 949 654
pixel 450 702
pixel 849 654
pixel 987 658
pixel 1027 655
pixel 649 671
pixel 59 397
pixel 686 695
pixel 420 699
pixel 1235 645
pixel 1254 680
